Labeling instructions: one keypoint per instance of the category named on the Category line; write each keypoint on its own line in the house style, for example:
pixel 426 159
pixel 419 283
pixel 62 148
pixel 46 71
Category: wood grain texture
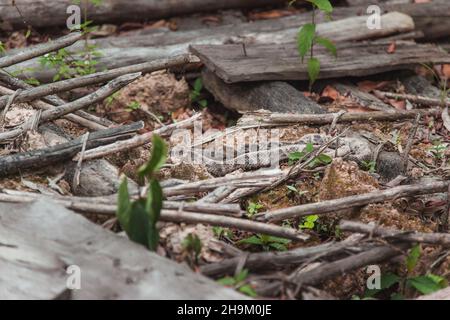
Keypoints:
pixel 39 240
pixel 273 96
pixel 270 62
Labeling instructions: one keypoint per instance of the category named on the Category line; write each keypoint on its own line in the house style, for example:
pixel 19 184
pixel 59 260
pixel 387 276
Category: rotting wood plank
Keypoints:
pixel 40 240
pixel 274 96
pixel 269 62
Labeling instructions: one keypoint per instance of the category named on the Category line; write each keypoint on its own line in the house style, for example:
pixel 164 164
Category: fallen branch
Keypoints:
pixel 95 78
pixel 55 113
pixel 425 101
pixel 40 158
pixel 273 260
pixel 276 119
pixel 181 216
pixel 39 50
pixel 89 120
pixel 410 236
pixel 138 140
pixel 353 201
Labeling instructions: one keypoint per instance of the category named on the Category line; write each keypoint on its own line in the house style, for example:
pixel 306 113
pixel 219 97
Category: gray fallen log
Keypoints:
pixel 44 13
pixel 40 240
pixel 144 47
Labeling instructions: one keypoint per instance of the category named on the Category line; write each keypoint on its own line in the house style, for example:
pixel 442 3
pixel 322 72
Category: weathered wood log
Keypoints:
pixel 435 238
pixel 271 96
pixel 268 62
pixel 162 45
pixel 44 13
pixel 443 294
pixel 47 238
pixel 15 163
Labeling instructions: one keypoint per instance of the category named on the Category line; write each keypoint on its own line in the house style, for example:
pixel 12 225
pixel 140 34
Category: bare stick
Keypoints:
pixel 95 78
pixel 180 216
pixel 410 236
pixel 91 121
pixel 425 101
pixel 229 222
pixel 55 113
pixel 138 140
pixel 353 201
pixel 273 260
pixel 39 50
pixel 410 143
pixel 276 119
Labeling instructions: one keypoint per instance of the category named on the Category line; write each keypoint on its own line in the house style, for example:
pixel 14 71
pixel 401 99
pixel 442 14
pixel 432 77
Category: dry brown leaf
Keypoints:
pixel 272 14
pixel 331 93
pixel 446 119
pixel 397 104
pixel 369 86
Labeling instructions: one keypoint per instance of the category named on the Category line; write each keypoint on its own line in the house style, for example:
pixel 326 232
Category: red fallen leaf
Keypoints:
pixel 392 47
pixel 369 86
pixel 398 104
pixel 330 92
pixel 211 19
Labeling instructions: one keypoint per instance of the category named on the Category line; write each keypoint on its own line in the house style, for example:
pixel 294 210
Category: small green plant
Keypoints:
pixel 196 93
pixel 321 159
pixel 222 232
pixel 193 245
pixel 293 189
pixel 133 106
pixel 438 149
pixel 138 218
pixel 253 208
pixel 307 39
pixel 369 166
pixel 2 47
pixel 266 242
pixel 238 282
pixel 309 222
pixel 424 284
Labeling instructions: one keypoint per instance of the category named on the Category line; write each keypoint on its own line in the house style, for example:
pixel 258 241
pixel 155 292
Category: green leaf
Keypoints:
pixel 139 226
pixel 313 70
pixel 305 39
pixel 324 159
pixel 123 205
pixel 294 156
pixel 413 258
pixel 309 148
pixel 323 5
pixel 327 44
pixel 198 85
pixel 241 276
pixel 159 156
pixel 278 240
pixel 278 246
pixel 251 240
pixel 387 280
pixel 154 201
pixel 424 284
pixel 292 188
pixel 227 281
pixel 248 290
